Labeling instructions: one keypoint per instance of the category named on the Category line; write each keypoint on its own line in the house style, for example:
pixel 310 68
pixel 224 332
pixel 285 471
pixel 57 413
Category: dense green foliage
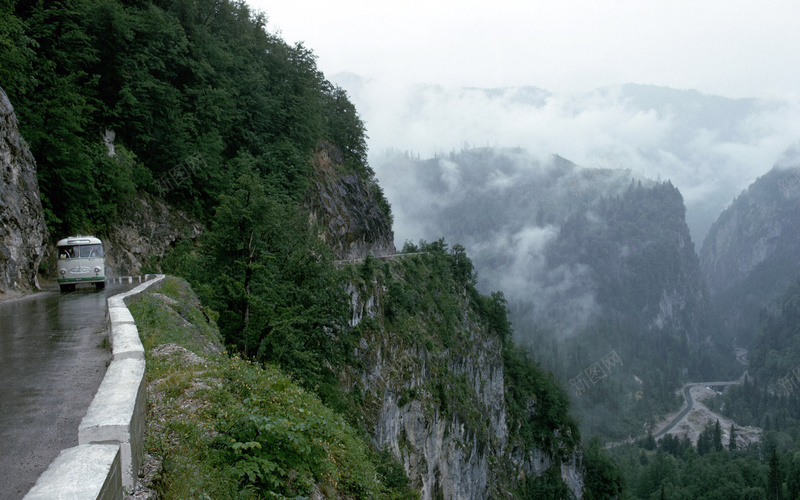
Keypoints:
pixel 604 480
pixel 227 428
pixel 678 470
pixel 273 285
pixel 196 92
pixel 548 485
pixel 526 381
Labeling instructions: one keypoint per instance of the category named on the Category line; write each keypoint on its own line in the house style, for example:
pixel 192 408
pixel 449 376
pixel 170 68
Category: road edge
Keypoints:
pixel 115 419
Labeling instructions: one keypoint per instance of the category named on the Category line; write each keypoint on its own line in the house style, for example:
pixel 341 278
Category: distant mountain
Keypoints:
pixel 592 261
pixel 752 252
pixel 642 262
pixel 694 111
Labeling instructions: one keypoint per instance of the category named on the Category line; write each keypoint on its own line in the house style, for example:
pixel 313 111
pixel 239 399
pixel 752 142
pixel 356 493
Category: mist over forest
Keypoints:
pixel 709 147
pixel 589 211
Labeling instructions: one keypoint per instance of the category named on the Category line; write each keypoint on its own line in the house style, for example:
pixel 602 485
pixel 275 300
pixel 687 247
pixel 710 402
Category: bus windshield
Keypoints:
pixel 91 250
pixel 84 251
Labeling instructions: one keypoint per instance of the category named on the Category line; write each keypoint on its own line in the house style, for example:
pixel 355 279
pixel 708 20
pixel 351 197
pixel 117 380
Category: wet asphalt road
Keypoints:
pixel 52 360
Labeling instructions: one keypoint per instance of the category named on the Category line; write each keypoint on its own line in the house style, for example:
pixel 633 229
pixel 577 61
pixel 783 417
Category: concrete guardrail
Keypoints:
pixel 105 464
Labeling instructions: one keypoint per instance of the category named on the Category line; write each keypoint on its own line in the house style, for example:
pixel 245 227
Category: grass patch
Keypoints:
pixel 224 427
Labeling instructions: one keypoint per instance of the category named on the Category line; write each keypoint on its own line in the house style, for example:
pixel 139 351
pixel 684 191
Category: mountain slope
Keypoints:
pixel 592 262
pixel 749 256
pixel 441 384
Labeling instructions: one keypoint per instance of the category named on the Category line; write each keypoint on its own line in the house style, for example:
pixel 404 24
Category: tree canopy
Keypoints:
pixel 174 80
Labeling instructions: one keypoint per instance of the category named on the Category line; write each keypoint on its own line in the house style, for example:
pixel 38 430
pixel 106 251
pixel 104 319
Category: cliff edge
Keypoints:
pixel 22 227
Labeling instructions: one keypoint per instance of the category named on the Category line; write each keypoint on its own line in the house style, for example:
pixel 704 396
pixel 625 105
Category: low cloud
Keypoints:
pixel 710 147
pixel 507 207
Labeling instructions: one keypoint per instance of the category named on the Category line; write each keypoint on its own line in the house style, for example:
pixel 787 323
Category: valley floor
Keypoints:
pixel 693 423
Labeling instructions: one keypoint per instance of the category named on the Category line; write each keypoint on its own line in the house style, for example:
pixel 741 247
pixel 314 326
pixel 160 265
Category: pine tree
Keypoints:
pixel 793 478
pixel 732 440
pixel 775 477
pixel 705 441
pixel 650 442
pixel 717 436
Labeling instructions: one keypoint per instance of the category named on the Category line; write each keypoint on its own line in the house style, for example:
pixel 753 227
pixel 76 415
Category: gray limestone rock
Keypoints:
pixel 22 226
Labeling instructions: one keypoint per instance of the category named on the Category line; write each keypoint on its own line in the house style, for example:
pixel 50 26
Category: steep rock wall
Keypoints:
pixel 147 228
pixel 749 256
pixel 442 411
pixel 345 207
pixel 22 226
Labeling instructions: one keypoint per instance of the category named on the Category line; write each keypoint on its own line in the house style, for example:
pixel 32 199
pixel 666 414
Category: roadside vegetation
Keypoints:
pixel 224 427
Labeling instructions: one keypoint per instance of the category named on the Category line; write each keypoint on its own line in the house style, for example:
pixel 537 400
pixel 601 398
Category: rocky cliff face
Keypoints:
pixel 749 256
pixel 441 406
pixel 22 227
pixel 346 209
pixel 147 229
pixel 642 261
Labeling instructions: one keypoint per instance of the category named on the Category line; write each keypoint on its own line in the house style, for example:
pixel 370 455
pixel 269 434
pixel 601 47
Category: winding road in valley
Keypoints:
pixel 689 403
pixel 741 357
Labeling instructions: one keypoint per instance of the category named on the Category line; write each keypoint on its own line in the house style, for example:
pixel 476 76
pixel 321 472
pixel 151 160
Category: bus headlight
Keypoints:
pixel 96 270
pixel 63 271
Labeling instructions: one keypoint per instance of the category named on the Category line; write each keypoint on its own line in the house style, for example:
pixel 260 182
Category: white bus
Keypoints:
pixel 81 260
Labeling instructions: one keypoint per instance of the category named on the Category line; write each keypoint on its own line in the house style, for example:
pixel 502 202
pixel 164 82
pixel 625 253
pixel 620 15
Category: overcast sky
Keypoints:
pixel 732 48
pixel 416 61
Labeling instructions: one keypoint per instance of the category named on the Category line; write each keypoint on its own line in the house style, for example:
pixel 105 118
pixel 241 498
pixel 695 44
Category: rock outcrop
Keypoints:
pixel 441 409
pixel 345 206
pixel 22 227
pixel 147 229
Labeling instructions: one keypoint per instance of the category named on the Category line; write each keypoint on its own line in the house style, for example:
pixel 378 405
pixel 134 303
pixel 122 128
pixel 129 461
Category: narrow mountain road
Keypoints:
pixel 52 360
pixel 377 257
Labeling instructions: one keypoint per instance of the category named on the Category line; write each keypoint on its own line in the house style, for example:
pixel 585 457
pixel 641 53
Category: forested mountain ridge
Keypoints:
pixel 592 262
pixel 193 93
pixel 264 162
pixel 749 256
